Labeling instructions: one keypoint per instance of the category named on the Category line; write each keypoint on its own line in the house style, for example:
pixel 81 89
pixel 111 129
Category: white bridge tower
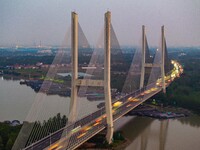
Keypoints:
pixel 89 82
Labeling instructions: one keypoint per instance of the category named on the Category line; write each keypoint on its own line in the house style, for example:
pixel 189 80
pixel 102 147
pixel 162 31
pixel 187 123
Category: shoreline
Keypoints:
pixel 157 112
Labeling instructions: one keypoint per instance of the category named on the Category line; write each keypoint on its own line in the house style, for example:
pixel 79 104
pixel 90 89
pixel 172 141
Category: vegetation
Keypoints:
pixel 185 91
pixel 47 127
pixel 8 134
pixel 21 60
pixel 101 143
pixel 51 79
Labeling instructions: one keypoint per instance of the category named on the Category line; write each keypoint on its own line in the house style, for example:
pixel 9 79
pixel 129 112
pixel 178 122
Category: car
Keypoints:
pixel 87 128
pixel 153 89
pixel 142 94
pixel 134 100
pixel 55 147
pixel 75 129
pixel 81 135
pixel 95 124
pixel 130 98
pixel 147 91
pixel 117 104
pixel 128 105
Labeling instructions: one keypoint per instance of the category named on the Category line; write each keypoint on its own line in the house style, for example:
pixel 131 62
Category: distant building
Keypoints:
pixel 15 123
pixel 80 74
pixel 39 64
pixel 9 67
pixel 181 54
pixel 48 51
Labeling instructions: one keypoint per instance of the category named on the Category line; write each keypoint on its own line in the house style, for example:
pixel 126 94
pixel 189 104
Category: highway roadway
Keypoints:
pixel 90 120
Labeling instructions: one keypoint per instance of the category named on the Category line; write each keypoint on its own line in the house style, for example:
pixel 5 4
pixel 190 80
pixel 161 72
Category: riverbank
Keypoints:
pixel 48 86
pixel 159 112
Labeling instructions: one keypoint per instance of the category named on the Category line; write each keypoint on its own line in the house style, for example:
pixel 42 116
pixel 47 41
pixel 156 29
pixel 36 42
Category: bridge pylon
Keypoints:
pixel 74 73
pixel 107 89
pixel 163 59
pixel 145 54
pixel 89 82
pixel 145 64
pixel 143 57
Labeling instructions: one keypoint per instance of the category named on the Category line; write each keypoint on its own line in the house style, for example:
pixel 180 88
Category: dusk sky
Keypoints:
pixel 27 22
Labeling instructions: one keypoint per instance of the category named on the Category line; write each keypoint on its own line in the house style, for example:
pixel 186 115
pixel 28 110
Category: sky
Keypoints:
pixel 27 22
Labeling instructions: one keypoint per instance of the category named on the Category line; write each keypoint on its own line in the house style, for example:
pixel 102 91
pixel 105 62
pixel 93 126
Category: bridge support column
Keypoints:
pixel 107 90
pixel 163 60
pixel 74 74
pixel 143 57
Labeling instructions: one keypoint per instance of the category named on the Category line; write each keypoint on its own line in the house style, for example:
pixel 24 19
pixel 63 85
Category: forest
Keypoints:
pixel 185 91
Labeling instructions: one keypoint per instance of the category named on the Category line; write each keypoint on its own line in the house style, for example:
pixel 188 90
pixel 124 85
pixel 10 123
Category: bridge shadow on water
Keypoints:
pixel 134 127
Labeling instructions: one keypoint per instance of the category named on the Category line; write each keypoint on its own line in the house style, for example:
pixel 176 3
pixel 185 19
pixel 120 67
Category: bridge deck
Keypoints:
pixel 65 138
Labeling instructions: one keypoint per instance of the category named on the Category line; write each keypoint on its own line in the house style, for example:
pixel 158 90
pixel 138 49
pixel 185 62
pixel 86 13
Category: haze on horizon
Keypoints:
pixel 27 22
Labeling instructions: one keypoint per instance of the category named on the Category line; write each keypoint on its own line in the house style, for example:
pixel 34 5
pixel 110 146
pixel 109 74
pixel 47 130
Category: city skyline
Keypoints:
pixel 29 22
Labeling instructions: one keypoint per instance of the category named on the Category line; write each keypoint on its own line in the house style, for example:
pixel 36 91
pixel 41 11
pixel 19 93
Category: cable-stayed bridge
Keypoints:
pixel 139 86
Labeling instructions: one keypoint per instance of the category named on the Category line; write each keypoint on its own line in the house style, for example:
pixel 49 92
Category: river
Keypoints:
pixel 153 134
pixel 20 102
pixel 15 100
pixel 143 133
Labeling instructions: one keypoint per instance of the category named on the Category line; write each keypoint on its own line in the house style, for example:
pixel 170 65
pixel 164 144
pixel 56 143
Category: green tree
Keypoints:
pixel 9 144
pixel 1 143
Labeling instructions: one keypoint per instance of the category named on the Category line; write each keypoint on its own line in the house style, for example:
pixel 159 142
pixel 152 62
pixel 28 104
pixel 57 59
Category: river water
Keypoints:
pixel 15 100
pixel 20 102
pixel 143 133
pixel 153 134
